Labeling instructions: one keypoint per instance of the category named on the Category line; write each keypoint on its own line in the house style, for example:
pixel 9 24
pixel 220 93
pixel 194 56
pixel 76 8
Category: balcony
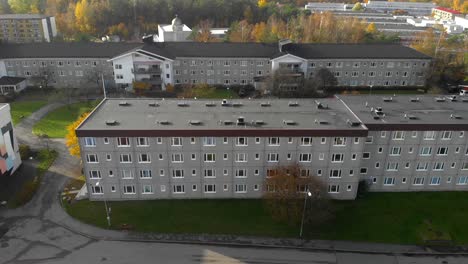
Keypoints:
pixel 146 70
pixel 151 80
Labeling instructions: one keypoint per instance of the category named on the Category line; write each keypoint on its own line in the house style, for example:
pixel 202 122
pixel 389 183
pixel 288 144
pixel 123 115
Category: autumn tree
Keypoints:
pixel 84 15
pixel 202 32
pixel 262 3
pixel 71 140
pixel 120 30
pixel 357 7
pixel 286 189
pixel 371 29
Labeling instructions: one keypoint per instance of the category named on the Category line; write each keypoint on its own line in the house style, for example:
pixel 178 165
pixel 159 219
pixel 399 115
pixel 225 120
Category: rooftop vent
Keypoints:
pixel 387 99
pixel 293 104
pixel 455 116
pixel 182 104
pixel 163 122
pixel 414 99
pixel 111 122
pixel 465 100
pixel 376 117
pixel 440 99
pixel 237 104
pixel 353 123
pixel 225 102
pixel 320 105
pixel 289 122
pixel 153 104
pixel 378 111
pixel 452 98
pixel 410 116
pixel 240 121
pixel 195 122
pixel 123 103
pixel 258 122
pixel 211 104
pixel 227 122
pixel 321 121
pixel 265 104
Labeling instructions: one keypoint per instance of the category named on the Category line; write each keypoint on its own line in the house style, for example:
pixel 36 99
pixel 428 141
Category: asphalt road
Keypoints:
pixel 33 233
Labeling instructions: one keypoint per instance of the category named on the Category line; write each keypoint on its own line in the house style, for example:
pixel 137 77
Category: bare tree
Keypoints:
pixel 324 78
pixel 45 77
pixel 287 187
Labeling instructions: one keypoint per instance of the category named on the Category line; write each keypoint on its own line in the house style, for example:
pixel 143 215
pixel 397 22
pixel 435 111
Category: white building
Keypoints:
pixel 9 150
pixel 177 31
pixel 414 8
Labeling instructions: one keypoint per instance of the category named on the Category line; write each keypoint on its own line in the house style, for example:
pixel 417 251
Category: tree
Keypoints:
pixel 324 78
pixel 371 28
pixel 71 140
pixel 45 77
pixel 120 30
pixel 285 189
pixel 262 3
pixel 202 32
pixel 357 7
pixel 22 6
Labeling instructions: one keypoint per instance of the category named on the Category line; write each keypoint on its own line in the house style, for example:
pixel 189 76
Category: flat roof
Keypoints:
pixel 23 16
pixel 416 112
pixel 10 80
pixel 211 117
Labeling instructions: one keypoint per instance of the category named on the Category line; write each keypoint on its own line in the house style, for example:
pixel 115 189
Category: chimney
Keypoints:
pixel 282 43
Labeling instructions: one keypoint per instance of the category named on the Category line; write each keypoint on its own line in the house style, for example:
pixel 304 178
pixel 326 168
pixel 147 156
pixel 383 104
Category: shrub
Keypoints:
pixel 25 151
pixel 363 188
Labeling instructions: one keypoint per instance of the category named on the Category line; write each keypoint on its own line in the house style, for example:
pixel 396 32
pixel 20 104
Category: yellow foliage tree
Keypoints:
pixel 262 3
pixel 371 28
pixel 71 138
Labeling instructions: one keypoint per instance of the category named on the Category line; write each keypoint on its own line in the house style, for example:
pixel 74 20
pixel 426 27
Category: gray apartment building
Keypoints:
pixel 19 28
pixel 164 149
pixel 156 65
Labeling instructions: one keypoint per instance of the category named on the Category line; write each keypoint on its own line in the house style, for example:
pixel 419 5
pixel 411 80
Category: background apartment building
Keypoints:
pixel 19 28
pixel 147 149
pixel 10 158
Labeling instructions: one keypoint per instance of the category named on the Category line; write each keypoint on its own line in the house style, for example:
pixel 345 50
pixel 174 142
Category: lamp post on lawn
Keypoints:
pixel 105 205
pixel 307 194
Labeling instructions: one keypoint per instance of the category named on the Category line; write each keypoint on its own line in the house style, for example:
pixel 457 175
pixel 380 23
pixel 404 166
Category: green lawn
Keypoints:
pixel 247 217
pixel 54 124
pixel 220 94
pixel 20 110
pixel 380 217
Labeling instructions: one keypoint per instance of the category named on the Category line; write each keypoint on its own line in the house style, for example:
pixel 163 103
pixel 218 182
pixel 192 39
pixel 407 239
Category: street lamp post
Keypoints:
pixel 307 194
pixel 105 205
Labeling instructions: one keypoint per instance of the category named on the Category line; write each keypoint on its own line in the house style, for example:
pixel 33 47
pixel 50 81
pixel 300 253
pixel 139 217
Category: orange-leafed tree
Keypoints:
pixel 286 188
pixel 71 138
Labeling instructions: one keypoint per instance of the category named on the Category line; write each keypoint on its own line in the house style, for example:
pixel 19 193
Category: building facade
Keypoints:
pixel 413 8
pixel 10 158
pixel 19 28
pixel 147 149
pixel 447 14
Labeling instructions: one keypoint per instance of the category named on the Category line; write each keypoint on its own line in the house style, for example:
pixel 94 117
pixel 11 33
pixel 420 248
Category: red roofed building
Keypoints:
pixel 442 13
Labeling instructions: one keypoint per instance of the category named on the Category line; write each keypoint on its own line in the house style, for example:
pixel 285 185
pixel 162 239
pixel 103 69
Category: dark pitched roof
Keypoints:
pixel 367 51
pixel 65 50
pixel 218 49
pixel 7 80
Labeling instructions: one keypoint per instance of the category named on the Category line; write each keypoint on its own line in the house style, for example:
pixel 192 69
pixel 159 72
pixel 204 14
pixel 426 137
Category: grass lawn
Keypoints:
pixel 405 218
pixel 247 217
pixel 221 94
pixel 54 124
pixel 20 110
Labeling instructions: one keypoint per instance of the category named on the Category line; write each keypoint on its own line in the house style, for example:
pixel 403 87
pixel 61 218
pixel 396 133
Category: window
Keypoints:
pixel 90 142
pixel 395 151
pixel 271 172
pixel 210 188
pixel 117 66
pixel 369 139
pixel 178 173
pixel 96 189
pixel 257 140
pixel 129 189
pixel 159 140
pixel 422 166
pixel 92 158
pixel 194 187
pixel 144 158
pixel 353 156
pixel 273 157
pixel 435 181
pixel 147 189
pixel 337 157
pixel 94 174
pixel 289 156
pixel 273 141
pixel 399 135
pixel 377 165
pixel 414 134
pixel 383 134
pixel 192 140
pixel 418 181
pixel 160 156
pixel 161 173
pixel 225 140
pixel 442 151
pixel 306 141
pixel 209 157
pixel 392 166
pixel 305 157
pixel 333 188
pixel 335 174
pixel 446 135
pixel 123 142
pixel 242 173
pixel 339 141
pixel 425 151
pixel 177 157
pixel 366 155
pixel 241 141
pixel 257 156
pixel 142 142
pixel 241 157
pixel 209 141
pixel 403 180
pixel 126 158
pixel 363 170
pixel 113 189
pixel 321 156
pixel 304 173
pixel 389 181
pixel 225 156
pixel 210 173
pixel 356 140
pixel 106 140
pixel 290 140
pixel 176 141
pixel 374 180
pixel 256 188
pixel 429 135
pixel 180 188
pixel 462 180
pixel 380 150
pixel 193 156
pixel 145 174
pixel 323 140
pixel 438 166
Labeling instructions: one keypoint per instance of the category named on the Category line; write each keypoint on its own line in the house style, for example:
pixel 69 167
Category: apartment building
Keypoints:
pixel 164 149
pixel 61 65
pixel 413 8
pixel 447 14
pixel 19 28
pixel 9 149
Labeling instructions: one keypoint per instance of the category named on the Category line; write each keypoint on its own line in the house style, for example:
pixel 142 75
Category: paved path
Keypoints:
pixel 41 232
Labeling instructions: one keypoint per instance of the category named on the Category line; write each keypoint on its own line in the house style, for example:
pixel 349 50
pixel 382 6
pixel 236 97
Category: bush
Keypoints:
pixel 363 188
pixel 25 151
